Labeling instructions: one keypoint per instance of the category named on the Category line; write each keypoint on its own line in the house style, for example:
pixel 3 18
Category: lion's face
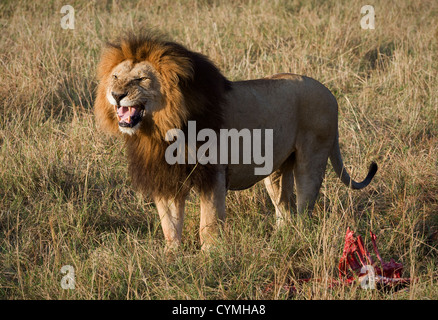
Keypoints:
pixel 134 90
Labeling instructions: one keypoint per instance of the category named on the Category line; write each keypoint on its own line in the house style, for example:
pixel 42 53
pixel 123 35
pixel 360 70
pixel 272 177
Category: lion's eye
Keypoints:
pixel 115 76
pixel 143 78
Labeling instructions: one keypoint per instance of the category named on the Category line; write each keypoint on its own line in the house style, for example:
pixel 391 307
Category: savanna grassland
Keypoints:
pixel 66 199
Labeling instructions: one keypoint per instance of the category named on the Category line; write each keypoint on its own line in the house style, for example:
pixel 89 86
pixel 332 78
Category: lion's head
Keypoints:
pixel 148 86
pixel 142 76
pixel 134 90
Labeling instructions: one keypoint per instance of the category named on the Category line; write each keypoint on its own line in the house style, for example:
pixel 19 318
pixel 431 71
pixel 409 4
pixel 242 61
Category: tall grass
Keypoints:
pixel 65 198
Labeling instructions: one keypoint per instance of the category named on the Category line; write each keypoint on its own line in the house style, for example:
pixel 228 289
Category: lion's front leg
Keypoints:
pixel 212 211
pixel 171 212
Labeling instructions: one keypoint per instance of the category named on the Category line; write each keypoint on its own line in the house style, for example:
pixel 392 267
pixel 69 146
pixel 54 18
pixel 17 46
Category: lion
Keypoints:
pixel 149 86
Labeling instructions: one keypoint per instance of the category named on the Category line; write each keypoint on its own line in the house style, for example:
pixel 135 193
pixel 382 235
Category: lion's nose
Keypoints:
pixel 118 96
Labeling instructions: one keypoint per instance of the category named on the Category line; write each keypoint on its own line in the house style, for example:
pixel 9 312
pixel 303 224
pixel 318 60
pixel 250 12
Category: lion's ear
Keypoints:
pixel 175 69
pixel 111 56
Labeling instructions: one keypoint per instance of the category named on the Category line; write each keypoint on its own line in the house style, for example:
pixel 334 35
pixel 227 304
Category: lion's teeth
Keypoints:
pixel 129 119
pixel 118 117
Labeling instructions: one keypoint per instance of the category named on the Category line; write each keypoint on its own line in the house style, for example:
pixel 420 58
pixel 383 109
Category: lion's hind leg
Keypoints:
pixel 309 171
pixel 280 187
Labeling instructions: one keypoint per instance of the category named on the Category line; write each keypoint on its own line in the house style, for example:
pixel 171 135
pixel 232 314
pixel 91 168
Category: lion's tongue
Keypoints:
pixel 125 113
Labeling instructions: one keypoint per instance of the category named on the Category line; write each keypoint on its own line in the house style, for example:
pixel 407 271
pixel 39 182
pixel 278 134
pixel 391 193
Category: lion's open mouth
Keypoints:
pixel 129 116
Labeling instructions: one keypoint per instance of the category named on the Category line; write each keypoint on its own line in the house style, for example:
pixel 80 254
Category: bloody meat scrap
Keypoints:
pixel 356 264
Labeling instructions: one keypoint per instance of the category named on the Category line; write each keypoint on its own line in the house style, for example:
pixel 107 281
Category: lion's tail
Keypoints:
pixel 338 166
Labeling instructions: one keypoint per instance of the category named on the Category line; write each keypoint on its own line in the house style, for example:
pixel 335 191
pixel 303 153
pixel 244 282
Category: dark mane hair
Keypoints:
pixel 193 89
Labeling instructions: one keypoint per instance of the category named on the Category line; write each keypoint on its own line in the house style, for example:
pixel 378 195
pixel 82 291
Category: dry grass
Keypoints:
pixel 65 198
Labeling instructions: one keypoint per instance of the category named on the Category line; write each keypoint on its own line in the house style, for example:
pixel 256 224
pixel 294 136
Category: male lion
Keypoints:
pixel 149 86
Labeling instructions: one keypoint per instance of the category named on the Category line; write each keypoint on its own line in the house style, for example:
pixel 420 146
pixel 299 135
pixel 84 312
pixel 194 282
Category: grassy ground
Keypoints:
pixel 65 198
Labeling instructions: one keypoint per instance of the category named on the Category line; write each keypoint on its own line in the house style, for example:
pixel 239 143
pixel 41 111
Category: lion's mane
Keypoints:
pixel 192 88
